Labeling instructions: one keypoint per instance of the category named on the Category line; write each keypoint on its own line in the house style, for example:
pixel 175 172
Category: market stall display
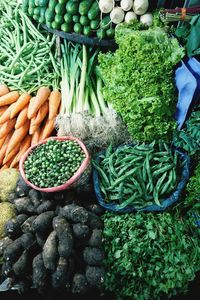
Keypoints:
pixel 106 140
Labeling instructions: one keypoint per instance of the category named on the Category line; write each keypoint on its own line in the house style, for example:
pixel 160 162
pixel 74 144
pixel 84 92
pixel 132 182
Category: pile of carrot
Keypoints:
pixel 24 121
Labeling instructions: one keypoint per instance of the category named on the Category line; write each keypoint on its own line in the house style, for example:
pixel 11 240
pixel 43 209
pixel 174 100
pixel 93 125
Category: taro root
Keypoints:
pixel 7 269
pixel 93 256
pixel 22 265
pixel 79 284
pixel 65 238
pixel 40 274
pixel 24 205
pixel 35 197
pixel 13 250
pixel 50 252
pixel 27 225
pixel 94 222
pixel 81 231
pixel 61 275
pixel 96 238
pixel 22 188
pixel 75 213
pixel 95 275
pixel 45 206
pixel 12 227
pixel 43 222
pixel 27 240
pixel 41 238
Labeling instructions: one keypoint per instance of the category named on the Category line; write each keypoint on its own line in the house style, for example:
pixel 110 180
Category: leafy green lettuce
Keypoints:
pixel 139 81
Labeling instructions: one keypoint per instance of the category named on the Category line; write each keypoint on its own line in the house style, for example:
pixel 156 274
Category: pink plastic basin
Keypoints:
pixel 71 181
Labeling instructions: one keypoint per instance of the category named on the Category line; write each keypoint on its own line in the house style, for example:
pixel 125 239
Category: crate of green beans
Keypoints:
pixel 140 177
pixel 56 164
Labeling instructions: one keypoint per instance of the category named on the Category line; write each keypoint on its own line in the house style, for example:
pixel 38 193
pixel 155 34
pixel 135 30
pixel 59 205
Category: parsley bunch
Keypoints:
pixel 139 81
pixel 149 255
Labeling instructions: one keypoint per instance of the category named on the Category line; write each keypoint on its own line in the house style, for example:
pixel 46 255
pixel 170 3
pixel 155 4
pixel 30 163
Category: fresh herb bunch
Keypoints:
pixel 189 137
pixel 53 163
pixel 139 81
pixel 149 255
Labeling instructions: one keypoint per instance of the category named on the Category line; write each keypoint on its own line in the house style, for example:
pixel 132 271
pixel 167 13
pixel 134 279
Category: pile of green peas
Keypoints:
pixel 54 163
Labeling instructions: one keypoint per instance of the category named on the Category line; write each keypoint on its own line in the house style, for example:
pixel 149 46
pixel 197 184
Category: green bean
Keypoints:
pixel 166 186
pixel 163 169
pixel 157 187
pixel 128 201
pixel 103 175
pixel 119 180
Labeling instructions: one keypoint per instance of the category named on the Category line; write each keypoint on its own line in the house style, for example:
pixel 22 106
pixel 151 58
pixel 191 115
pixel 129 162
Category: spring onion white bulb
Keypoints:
pixel 140 7
pixel 126 5
pixel 106 6
pixel 130 16
pixel 146 19
pixel 117 15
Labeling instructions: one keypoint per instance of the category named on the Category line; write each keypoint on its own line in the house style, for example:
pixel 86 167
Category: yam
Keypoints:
pixel 50 252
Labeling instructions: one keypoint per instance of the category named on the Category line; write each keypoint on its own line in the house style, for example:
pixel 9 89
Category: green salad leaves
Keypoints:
pixel 139 81
pixel 149 255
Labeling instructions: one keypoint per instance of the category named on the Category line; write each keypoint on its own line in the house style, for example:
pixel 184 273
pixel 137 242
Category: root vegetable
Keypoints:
pixel 27 225
pixel 45 206
pixel 93 256
pixel 7 127
pixel 146 19
pixel 41 239
pixel 140 6
pixel 36 136
pixel 27 240
pixel 9 98
pixel 12 227
pixel 24 205
pixel 50 252
pixel 20 104
pixel 106 6
pixel 22 265
pixel 54 103
pixel 22 118
pixel 117 15
pixel 95 275
pixel 40 274
pixel 61 276
pixel 63 231
pixel 126 5
pixel 43 111
pixel 81 231
pixel 96 209
pixel 41 96
pixel 94 221
pixel 6 115
pixel 75 213
pixel 79 284
pixel 47 129
pixel 7 269
pixel 22 188
pixel 3 90
pixel 13 251
pixel 35 197
pixel 43 222
pixel 4 243
pixel 130 16
pixel 96 238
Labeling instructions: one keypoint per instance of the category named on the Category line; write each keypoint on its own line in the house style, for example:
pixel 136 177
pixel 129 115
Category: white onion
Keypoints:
pixel 130 16
pixel 126 5
pixel 106 6
pixel 146 19
pixel 140 7
pixel 117 15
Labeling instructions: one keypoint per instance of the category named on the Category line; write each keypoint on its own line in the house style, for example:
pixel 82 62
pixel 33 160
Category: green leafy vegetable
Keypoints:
pixel 149 255
pixel 139 81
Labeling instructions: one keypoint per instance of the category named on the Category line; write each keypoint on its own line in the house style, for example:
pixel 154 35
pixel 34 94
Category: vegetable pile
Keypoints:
pixel 53 242
pixel 139 88
pixel 27 57
pixel 149 255
pixel 53 163
pixel 138 175
pixel 24 121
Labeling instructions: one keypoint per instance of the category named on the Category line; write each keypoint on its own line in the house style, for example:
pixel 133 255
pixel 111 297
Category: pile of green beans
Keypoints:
pixel 27 55
pixel 54 163
pixel 138 175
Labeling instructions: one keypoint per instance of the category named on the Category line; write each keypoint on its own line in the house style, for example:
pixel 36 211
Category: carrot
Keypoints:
pixel 47 129
pixel 24 146
pixel 6 115
pixel 23 100
pixel 36 136
pixel 22 117
pixel 15 162
pixel 41 96
pixel 3 109
pixel 4 167
pixel 33 127
pixel 41 114
pixel 30 106
pixel 54 103
pixel 3 90
pixel 2 140
pixel 11 155
pixel 9 98
pixel 7 127
pixel 18 136
pixel 4 147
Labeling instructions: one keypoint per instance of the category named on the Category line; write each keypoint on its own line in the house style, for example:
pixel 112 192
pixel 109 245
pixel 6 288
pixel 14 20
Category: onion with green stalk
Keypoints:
pixel 84 112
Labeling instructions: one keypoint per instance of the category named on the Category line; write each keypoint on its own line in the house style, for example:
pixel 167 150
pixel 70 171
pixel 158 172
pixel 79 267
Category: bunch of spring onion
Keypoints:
pixel 27 55
pixel 84 113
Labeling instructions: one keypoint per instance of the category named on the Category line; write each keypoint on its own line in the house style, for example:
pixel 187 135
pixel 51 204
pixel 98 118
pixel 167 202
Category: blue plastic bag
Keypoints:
pixel 150 208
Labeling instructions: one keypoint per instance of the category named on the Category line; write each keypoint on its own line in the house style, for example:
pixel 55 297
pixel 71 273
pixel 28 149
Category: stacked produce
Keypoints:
pixel 138 175
pixel 28 58
pixel 53 242
pixel 25 120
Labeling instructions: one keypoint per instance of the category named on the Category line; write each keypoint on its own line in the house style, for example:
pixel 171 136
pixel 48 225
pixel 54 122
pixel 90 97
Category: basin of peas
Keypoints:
pixel 53 163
